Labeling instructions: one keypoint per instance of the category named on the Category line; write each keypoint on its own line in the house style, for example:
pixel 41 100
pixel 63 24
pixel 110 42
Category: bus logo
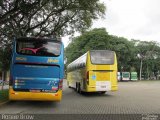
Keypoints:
pixel 93 77
pixel 21 58
pixel 52 60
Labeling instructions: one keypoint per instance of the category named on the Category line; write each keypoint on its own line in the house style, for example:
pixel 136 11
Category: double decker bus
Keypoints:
pixel 37 69
pixel 95 71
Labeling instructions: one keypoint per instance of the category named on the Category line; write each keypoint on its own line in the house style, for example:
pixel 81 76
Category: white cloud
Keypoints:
pixel 65 40
pixel 137 19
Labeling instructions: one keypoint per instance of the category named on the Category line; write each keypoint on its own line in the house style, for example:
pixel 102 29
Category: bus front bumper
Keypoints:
pixel 39 96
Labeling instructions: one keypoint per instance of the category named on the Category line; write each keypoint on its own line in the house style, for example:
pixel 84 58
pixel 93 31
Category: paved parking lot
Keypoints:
pixel 131 98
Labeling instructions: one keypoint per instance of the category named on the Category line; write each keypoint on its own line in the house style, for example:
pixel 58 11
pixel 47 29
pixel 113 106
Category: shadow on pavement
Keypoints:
pixel 95 94
pixel 37 104
pixel 92 94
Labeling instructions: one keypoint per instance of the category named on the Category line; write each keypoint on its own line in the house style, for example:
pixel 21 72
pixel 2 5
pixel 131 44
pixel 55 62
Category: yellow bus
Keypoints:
pixel 95 71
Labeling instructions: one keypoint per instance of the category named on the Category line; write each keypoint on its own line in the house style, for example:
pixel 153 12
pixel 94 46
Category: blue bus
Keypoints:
pixel 37 69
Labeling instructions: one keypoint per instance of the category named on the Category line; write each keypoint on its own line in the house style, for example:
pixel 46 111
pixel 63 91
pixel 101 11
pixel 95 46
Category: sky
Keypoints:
pixel 132 19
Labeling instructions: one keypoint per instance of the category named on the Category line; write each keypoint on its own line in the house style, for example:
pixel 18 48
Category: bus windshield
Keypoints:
pixel 38 48
pixel 102 57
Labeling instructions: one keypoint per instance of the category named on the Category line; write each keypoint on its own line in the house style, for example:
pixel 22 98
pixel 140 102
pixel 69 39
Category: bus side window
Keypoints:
pixel 81 65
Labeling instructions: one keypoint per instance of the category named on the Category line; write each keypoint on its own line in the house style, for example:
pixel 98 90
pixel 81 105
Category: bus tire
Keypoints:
pixel 79 88
pixel 68 85
pixel 103 92
pixel 76 87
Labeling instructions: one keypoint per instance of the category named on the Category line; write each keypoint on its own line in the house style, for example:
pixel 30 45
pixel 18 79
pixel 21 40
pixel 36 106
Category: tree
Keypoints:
pixel 147 52
pixel 5 56
pixel 47 17
pixel 99 39
pixel 131 54
pixel 125 51
pixel 91 40
pixel 44 18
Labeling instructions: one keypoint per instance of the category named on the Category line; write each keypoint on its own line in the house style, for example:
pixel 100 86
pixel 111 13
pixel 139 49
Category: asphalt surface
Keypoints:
pixel 131 98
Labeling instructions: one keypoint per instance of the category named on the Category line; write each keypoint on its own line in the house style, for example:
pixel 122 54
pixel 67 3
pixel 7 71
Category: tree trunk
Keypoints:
pixel 3 79
pixel 147 72
pixel 140 71
pixel 4 73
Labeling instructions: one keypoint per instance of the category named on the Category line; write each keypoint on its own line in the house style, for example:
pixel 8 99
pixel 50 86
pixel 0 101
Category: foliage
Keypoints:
pixel 125 52
pixel 100 39
pixel 44 18
pixel 148 53
pixel 96 39
pixel 5 56
pixel 129 53
pixel 4 95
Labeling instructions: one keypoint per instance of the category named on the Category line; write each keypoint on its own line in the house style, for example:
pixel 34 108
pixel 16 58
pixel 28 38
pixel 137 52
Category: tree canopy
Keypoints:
pixel 43 18
pixel 46 17
pixel 129 52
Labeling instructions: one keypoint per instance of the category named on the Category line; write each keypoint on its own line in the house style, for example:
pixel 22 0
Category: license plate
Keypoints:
pixel 103 86
pixel 35 91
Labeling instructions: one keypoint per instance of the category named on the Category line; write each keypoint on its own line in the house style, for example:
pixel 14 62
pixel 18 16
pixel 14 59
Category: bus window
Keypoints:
pixel 102 57
pixel 38 48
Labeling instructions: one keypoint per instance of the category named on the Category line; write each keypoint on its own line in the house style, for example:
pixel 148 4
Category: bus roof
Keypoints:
pixel 86 53
pixel 36 38
pixel 82 59
pixel 101 50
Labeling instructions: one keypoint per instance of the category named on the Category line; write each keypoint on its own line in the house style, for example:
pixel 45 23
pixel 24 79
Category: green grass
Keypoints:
pixel 3 95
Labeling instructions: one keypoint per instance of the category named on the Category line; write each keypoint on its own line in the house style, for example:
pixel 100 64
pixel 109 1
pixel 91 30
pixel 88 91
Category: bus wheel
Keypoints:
pixel 103 92
pixel 79 88
pixel 76 87
pixel 68 85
